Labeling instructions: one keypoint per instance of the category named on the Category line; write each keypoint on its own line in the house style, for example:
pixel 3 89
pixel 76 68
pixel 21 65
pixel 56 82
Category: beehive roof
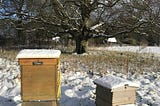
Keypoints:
pixel 113 82
pixel 39 53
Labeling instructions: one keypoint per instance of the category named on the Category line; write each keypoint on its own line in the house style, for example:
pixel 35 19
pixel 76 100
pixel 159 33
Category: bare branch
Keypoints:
pixel 59 10
pixel 127 30
pixel 96 26
pixel 75 2
pixel 109 4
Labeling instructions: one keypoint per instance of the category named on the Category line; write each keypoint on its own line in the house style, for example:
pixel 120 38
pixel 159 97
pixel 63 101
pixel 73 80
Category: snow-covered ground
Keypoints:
pixel 77 87
pixel 138 49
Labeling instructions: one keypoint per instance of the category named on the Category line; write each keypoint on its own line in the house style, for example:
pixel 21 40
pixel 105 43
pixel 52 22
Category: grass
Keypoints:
pixel 107 61
pixel 102 61
pixel 9 54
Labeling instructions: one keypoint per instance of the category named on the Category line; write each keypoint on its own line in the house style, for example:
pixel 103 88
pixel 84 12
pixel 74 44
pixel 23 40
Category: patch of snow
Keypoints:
pixel 138 49
pixel 113 82
pixel 112 40
pixel 97 25
pixel 17 99
pixel 128 105
pixel 39 53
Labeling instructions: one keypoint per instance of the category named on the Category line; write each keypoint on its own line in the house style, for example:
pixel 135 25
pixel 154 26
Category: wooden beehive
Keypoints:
pixel 115 91
pixel 40 74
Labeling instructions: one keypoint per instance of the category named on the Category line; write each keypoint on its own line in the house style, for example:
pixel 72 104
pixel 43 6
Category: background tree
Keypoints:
pixel 136 21
pixel 130 21
pixel 16 12
pixel 77 18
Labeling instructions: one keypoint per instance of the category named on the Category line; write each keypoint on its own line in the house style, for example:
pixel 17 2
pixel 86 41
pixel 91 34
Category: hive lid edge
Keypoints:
pixel 38 53
pixel 113 82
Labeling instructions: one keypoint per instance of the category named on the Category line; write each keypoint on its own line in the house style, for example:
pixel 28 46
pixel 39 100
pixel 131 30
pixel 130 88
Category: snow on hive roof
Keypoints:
pixel 128 105
pixel 113 40
pixel 39 53
pixel 113 82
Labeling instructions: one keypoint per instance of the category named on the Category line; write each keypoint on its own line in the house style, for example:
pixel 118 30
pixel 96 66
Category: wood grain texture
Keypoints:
pixel 44 103
pixel 39 82
pixel 108 97
pixel 45 61
pixel 100 102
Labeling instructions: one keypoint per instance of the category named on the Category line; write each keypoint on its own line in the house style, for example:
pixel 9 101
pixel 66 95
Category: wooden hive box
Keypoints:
pixel 40 74
pixel 115 91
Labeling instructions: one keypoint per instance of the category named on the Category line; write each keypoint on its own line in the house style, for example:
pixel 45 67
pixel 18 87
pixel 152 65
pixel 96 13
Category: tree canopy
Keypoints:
pixel 131 21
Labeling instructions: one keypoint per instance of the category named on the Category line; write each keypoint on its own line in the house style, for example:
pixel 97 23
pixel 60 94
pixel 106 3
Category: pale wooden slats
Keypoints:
pixel 28 61
pixel 42 103
pixel 118 96
pixel 38 82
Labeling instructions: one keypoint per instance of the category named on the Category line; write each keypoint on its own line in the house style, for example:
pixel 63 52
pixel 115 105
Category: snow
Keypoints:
pixel 39 53
pixel 56 39
pixel 128 105
pixel 77 87
pixel 112 40
pixel 9 86
pixel 96 26
pixel 139 49
pixel 113 82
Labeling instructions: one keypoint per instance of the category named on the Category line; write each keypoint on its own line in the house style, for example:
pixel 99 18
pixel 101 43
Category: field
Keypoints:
pixel 79 72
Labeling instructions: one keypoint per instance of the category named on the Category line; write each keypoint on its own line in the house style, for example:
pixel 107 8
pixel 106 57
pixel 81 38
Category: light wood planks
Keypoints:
pixel 42 103
pixel 40 82
pixel 48 61
pixel 119 96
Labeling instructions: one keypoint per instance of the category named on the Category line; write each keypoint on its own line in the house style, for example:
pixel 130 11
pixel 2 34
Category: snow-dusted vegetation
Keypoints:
pixel 79 72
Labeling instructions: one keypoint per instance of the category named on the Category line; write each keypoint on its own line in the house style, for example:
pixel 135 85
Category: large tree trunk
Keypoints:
pixel 20 36
pixel 81 46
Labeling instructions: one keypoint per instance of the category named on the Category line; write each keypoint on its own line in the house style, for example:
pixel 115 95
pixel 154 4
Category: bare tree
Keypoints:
pixel 82 19
pixel 136 19
pixel 15 10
